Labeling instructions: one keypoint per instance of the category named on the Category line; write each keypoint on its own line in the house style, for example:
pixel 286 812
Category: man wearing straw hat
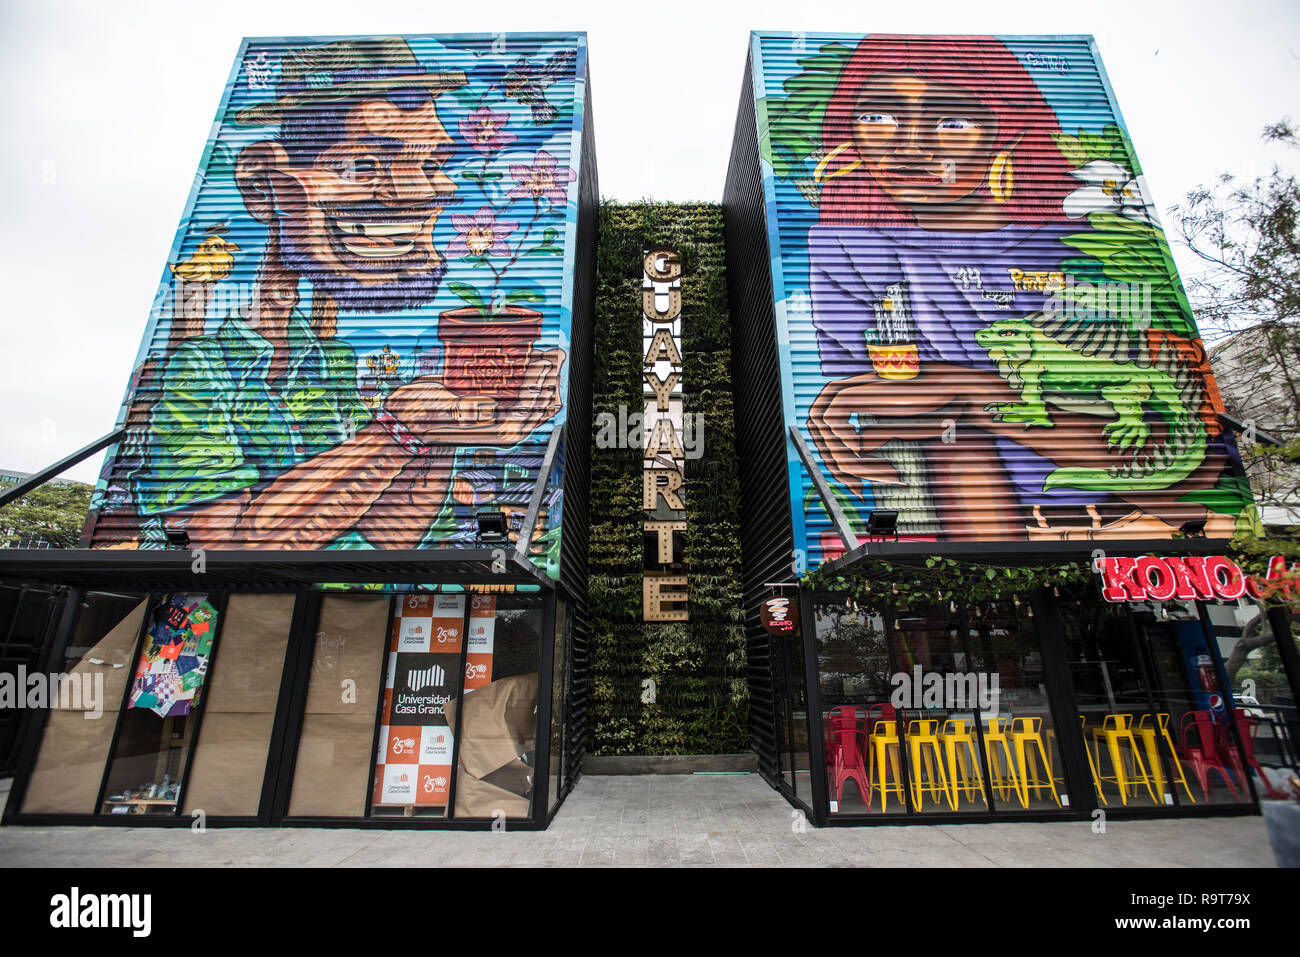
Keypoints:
pixel 350 191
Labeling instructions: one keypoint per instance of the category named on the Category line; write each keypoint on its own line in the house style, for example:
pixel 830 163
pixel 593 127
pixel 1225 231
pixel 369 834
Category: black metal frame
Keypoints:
pixel 196 714
pixel 34 658
pixel 1058 685
pixel 282 750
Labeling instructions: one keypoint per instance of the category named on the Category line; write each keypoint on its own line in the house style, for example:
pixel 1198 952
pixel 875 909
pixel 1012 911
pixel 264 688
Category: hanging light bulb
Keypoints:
pixel 952 607
pixel 1016 599
pixel 1030 611
pixel 1056 591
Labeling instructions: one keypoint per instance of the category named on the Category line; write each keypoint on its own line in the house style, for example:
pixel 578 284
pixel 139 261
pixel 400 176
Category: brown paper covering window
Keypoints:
pixel 332 773
pixel 74 748
pixel 235 733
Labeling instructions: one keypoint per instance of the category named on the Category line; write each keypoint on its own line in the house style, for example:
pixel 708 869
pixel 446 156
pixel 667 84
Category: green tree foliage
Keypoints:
pixel 54 513
pixel 1246 233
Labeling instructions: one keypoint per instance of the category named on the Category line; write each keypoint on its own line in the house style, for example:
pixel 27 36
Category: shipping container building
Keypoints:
pixel 968 377
pixel 335 570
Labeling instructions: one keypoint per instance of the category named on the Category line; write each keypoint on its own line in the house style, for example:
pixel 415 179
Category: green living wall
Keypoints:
pixel 699 701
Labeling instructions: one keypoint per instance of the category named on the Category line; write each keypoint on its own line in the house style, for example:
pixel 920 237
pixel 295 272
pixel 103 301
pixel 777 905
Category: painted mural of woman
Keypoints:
pixel 942 216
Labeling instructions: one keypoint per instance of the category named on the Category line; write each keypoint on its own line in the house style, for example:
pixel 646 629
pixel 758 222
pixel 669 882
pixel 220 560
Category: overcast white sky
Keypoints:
pixel 106 107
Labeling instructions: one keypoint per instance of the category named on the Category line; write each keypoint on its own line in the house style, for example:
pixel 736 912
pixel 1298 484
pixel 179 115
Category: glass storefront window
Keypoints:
pixel 156 729
pixel 235 734
pixel 1151 706
pixel 559 686
pixel 1020 736
pixel 936 708
pixel 338 727
pixel 497 717
pixel 423 680
pixel 794 732
pixel 1261 692
pixel 863 751
pixel 79 732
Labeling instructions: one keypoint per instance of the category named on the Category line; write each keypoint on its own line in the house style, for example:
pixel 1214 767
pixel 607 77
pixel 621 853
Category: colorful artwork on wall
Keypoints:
pixel 174 659
pixel 986 330
pixel 362 333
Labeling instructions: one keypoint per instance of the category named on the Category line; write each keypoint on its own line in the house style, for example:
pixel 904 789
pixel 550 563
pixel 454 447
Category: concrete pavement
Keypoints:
pixel 690 820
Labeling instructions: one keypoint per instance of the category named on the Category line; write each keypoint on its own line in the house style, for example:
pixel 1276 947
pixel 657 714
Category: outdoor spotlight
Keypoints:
pixel 491 527
pixel 1193 529
pixel 177 537
pixel 882 522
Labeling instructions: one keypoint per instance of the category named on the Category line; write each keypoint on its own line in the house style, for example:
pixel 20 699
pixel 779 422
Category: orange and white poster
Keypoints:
pixel 413 765
pixel 482 625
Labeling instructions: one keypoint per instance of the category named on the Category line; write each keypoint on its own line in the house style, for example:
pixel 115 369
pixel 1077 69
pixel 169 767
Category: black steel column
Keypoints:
pixel 283 752
pixel 1060 697
pixel 820 803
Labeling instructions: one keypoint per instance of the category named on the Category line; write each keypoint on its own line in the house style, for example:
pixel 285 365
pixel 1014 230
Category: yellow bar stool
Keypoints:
pixel 1147 732
pixel 923 742
pixel 997 745
pixel 1117 729
pixel 1092 762
pixel 964 777
pixel 884 748
pixel 1027 740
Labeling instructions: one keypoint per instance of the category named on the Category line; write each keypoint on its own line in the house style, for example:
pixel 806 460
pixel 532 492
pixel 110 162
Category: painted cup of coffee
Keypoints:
pixel 895 361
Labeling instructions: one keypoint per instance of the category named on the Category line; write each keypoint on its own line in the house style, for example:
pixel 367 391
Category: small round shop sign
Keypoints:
pixel 778 614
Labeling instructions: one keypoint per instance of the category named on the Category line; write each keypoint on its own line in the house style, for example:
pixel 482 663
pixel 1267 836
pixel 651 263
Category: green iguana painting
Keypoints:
pixel 1088 365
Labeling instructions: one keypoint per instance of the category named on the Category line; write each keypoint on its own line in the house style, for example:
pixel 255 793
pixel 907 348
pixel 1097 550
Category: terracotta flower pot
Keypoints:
pixel 487 355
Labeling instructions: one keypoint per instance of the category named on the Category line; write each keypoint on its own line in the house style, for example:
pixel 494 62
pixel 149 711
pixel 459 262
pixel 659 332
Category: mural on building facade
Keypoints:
pixel 996 341
pixel 362 335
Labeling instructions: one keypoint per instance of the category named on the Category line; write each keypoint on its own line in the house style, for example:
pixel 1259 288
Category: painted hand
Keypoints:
pixel 437 416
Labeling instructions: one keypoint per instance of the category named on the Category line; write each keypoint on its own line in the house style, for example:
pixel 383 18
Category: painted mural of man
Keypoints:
pixel 259 433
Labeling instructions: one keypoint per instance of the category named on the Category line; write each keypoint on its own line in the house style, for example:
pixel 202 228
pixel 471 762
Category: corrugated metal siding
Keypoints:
pixel 577 444
pixel 319 210
pixel 766 541
pixel 936 203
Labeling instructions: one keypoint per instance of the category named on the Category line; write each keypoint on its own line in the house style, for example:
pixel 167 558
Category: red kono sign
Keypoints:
pixel 1187 577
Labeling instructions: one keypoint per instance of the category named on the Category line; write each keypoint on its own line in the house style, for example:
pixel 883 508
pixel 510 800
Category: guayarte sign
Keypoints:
pixel 664 460
pixel 1189 577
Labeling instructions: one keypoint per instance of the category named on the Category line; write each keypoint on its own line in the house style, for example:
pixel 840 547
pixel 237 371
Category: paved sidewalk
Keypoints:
pixel 661 820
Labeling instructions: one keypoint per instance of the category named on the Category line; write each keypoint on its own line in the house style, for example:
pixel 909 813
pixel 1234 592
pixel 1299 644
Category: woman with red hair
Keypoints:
pixel 941 212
